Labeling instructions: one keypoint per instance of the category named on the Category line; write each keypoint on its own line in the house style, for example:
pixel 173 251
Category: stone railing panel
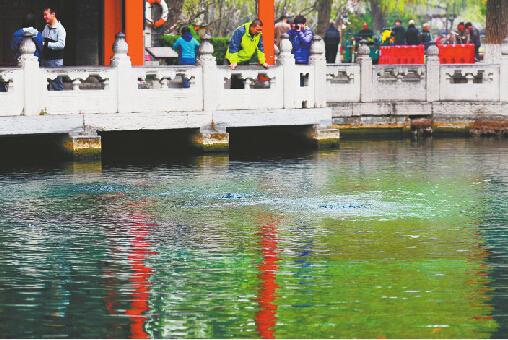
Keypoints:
pixel 470 82
pixel 399 83
pixel 168 88
pixel 86 90
pixel 304 94
pixel 343 83
pixel 250 87
pixel 11 92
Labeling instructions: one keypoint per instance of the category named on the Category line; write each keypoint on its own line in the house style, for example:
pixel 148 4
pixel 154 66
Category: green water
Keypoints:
pixel 376 239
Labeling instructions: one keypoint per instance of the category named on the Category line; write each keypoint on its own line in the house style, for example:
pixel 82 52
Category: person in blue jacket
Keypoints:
pixel 301 38
pixel 187 47
pixel 28 25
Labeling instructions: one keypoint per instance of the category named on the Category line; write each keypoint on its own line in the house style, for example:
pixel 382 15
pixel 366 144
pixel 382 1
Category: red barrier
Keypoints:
pixel 457 54
pixel 402 55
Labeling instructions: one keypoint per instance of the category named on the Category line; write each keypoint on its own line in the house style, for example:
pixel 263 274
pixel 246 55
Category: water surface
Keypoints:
pixel 376 239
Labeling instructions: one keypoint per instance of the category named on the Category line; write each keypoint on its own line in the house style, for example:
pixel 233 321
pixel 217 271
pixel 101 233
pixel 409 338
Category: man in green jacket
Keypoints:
pixel 246 40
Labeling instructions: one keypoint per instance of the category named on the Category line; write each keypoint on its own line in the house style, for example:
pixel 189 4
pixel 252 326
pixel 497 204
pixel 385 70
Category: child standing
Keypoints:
pixel 187 47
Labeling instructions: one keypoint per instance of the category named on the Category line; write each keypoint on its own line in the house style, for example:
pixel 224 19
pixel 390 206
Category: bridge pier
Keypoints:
pixel 324 137
pixel 212 139
pixel 83 146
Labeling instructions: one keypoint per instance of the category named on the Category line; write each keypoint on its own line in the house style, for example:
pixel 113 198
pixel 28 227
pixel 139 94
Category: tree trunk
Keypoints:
pixel 324 9
pixel 175 11
pixel 497 21
pixel 378 17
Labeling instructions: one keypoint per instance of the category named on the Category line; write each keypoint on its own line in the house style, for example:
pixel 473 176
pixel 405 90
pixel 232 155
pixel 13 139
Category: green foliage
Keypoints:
pixel 220 45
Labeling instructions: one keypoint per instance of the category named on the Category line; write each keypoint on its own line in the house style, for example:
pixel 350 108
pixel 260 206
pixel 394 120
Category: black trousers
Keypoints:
pixel 331 52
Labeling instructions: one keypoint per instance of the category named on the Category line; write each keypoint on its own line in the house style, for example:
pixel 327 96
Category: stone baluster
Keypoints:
pixel 248 83
pixel 504 71
pixel 32 75
pixel 433 73
pixel 291 77
pixel 318 60
pixel 366 94
pixel 75 84
pixel 126 79
pixel 212 85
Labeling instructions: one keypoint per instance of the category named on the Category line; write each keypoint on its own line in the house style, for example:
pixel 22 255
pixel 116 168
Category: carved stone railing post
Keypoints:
pixel 433 73
pixel 212 85
pixel 504 71
pixel 365 62
pixel 318 60
pixel 31 75
pixel 291 78
pixel 126 81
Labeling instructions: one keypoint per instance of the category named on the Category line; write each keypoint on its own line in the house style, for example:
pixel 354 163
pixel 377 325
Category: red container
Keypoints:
pixel 457 54
pixel 402 55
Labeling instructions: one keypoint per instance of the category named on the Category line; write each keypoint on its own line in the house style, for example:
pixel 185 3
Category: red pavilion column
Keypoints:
pixel 266 12
pixel 124 15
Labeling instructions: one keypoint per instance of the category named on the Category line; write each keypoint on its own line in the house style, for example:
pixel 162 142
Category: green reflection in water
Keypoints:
pixel 358 248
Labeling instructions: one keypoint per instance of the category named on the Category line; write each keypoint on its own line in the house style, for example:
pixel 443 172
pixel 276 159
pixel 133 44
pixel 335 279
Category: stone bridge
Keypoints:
pixel 212 99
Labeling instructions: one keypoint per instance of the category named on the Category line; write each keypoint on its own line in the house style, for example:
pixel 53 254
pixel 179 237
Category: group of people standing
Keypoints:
pixel 50 43
pixel 466 33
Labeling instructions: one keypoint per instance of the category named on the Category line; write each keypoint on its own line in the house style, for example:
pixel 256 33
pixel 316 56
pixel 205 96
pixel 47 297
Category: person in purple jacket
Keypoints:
pixel 301 38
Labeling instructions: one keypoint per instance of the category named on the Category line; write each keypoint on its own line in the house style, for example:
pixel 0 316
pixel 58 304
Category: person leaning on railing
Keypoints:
pixel 246 41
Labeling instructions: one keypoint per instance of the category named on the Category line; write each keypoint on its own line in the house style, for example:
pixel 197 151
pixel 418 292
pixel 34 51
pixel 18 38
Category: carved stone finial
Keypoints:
pixel 504 47
pixel 120 46
pixel 285 44
pixel 363 50
pixel 27 49
pixel 120 51
pixel 27 45
pixel 206 50
pixel 318 45
pixel 206 46
pixel 432 50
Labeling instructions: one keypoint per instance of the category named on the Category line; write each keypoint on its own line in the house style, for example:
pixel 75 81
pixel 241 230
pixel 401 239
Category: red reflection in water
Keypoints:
pixel 266 318
pixel 138 253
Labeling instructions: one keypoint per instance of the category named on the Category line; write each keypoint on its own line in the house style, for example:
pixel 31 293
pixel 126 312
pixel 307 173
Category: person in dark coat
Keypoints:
pixel 474 38
pixel 412 34
pixel 426 36
pixel 332 40
pixel 399 33
pixel 365 33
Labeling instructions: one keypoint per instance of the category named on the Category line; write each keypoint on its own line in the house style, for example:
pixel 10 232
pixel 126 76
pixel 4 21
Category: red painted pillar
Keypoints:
pixel 133 25
pixel 266 12
pixel 134 30
pixel 112 16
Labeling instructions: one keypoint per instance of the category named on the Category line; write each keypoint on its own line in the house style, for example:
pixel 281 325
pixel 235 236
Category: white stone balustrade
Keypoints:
pixel 429 83
pixel 149 96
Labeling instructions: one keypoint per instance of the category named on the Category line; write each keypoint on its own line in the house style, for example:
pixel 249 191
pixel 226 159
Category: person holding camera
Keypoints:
pixel 301 38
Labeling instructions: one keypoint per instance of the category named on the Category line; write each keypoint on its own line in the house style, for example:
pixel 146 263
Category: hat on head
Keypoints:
pixel 300 19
